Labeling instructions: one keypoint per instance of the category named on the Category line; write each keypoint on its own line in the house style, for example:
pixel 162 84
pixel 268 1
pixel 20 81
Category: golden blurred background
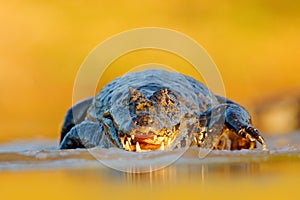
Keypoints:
pixel 255 45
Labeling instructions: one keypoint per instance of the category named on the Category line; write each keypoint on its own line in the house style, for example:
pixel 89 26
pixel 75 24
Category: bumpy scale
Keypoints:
pixel 158 110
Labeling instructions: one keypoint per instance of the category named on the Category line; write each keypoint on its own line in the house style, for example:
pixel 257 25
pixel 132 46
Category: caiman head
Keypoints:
pixel 150 118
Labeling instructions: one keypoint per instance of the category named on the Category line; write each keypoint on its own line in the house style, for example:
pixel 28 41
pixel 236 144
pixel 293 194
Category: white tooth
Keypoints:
pixel 169 141
pixel 160 139
pixel 129 141
pixel 162 147
pixel 154 138
pixel 127 146
pixel 132 137
pixel 122 140
pixel 137 147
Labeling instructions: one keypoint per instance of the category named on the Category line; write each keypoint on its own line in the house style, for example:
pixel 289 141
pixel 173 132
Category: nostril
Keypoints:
pixel 143 120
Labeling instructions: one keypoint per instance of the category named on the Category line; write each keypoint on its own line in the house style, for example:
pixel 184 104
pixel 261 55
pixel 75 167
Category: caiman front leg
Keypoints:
pixel 74 116
pixel 87 134
pixel 228 126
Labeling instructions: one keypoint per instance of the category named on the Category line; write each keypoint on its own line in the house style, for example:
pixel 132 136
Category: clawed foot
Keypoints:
pixel 228 126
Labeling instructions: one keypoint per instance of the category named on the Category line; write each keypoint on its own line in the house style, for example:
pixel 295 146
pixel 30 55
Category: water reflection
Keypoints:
pixel 184 173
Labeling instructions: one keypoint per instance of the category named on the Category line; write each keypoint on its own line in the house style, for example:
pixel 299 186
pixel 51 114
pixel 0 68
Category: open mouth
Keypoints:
pixel 146 139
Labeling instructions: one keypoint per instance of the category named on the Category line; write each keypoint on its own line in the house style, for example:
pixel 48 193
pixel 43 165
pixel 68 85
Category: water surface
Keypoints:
pixel 35 168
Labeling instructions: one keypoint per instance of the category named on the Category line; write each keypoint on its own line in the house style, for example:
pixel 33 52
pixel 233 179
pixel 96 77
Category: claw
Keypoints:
pixel 253 133
pixel 263 143
pixel 233 117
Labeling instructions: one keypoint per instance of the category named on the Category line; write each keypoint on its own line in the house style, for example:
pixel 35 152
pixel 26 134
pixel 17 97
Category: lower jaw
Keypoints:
pixel 137 145
pixel 150 147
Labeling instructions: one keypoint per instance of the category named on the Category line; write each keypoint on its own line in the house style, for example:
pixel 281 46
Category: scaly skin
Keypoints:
pixel 157 110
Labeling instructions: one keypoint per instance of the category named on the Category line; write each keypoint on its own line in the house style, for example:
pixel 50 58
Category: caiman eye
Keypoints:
pixel 135 94
pixel 165 97
pixel 172 100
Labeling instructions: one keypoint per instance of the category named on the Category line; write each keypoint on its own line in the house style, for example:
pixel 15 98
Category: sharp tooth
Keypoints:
pixel 123 143
pixel 160 139
pixel 132 137
pixel 154 138
pixel 129 141
pixel 122 140
pixel 165 139
pixel 137 147
pixel 169 141
pixel 127 146
pixel 162 147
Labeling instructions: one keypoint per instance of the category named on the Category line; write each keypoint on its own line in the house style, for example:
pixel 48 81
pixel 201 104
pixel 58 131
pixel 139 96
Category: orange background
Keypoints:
pixel 255 44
